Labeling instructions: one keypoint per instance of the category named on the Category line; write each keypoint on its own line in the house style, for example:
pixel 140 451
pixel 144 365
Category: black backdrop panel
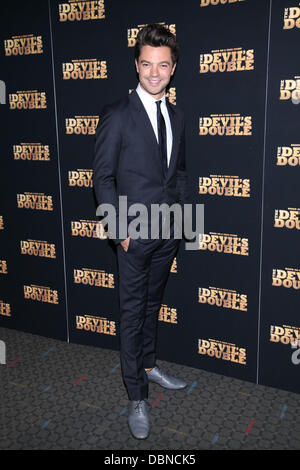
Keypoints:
pixel 33 247
pixel 224 309
pixel 280 326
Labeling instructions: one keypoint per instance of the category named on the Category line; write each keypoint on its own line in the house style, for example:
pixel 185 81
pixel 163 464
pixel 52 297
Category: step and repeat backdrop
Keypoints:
pixel 230 307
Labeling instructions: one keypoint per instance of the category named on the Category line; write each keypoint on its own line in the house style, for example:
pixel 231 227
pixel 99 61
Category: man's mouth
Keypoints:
pixel 154 82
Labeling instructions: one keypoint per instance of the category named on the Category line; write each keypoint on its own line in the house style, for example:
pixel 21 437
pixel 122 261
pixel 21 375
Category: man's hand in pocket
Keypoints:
pixel 125 243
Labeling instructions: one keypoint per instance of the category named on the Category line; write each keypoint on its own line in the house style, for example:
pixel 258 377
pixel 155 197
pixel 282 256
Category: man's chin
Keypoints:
pixel 154 91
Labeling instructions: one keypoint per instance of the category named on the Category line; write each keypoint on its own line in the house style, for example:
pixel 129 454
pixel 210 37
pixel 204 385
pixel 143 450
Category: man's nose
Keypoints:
pixel 154 70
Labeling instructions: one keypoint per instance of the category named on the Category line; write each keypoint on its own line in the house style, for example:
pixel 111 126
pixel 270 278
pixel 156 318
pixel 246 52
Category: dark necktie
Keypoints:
pixel 162 138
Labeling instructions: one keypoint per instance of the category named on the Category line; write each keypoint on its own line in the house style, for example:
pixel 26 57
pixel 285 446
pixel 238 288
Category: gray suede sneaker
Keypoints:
pixel 138 419
pixel 167 381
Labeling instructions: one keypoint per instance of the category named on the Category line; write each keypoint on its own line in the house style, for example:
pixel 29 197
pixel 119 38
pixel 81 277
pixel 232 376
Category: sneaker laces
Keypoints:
pixel 138 406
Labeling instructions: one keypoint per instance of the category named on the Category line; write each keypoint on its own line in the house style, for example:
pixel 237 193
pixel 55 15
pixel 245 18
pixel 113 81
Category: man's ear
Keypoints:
pixel 136 65
pixel 173 68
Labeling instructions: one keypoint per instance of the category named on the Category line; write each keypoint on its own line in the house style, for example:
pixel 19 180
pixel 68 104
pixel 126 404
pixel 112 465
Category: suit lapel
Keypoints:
pixel 143 124
pixel 176 134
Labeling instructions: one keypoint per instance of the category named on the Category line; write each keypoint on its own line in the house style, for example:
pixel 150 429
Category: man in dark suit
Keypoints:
pixel 140 154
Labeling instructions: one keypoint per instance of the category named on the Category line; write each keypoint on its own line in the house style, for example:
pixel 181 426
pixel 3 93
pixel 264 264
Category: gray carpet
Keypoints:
pixel 56 395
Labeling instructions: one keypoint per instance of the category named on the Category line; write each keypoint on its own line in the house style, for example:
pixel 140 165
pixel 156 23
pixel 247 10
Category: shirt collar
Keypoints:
pixel 146 98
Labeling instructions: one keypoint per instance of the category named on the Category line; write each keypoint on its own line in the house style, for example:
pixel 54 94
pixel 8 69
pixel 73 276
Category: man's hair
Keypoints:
pixel 156 35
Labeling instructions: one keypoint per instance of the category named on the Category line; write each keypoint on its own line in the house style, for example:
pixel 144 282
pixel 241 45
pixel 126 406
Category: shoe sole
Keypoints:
pixel 139 438
pixel 167 388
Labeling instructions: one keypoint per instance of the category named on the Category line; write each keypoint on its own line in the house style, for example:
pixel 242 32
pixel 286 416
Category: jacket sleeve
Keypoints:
pixel 108 143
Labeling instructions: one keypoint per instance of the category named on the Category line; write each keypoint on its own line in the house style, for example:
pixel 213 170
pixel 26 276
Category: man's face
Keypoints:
pixel 155 68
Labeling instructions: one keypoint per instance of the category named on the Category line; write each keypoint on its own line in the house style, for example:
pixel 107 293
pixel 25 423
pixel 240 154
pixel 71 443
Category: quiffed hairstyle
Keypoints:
pixel 156 35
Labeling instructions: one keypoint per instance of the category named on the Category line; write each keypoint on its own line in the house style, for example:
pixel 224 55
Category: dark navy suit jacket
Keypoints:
pixel 127 159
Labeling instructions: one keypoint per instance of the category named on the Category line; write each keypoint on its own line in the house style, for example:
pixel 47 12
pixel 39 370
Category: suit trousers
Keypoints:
pixel 143 273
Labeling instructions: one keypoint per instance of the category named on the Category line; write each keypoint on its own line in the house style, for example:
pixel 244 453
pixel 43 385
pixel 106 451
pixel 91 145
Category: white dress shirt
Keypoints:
pixel 151 108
